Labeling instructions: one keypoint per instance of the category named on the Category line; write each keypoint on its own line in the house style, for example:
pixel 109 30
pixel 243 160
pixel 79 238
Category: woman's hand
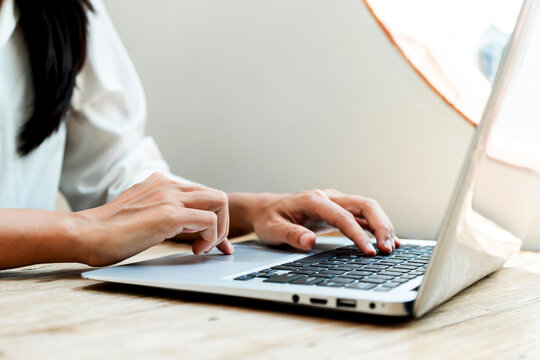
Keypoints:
pixel 294 220
pixel 150 212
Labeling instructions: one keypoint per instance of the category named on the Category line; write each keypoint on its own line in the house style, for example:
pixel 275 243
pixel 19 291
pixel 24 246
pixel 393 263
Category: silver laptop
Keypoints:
pixel 335 274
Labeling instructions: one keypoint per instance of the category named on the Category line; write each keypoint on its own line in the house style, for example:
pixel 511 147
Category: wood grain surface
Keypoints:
pixel 49 311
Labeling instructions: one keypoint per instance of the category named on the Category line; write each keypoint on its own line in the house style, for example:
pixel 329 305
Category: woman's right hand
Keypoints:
pixel 150 212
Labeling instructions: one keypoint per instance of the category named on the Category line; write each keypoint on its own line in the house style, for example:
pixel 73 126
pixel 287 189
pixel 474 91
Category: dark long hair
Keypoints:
pixel 55 32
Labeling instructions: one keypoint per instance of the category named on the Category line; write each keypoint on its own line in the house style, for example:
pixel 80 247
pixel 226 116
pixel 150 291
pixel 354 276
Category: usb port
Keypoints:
pixel 346 303
pixel 316 301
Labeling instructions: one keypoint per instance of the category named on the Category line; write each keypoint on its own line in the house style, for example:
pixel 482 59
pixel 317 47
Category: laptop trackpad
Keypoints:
pixel 248 252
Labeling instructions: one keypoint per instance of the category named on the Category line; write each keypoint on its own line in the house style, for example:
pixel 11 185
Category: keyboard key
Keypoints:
pixel 333 272
pixel 374 281
pixel 324 276
pixel 331 283
pixel 325 266
pixel 352 256
pixel 333 262
pixel 392 284
pixel 416 252
pixel 265 275
pixel 407 265
pixel 285 278
pixel 419 262
pixel 404 267
pixel 383 277
pixel 245 277
pixel 414 262
pixel 361 286
pixel 355 266
pixel 408 276
pixel 420 251
pixel 363 261
pixel 344 268
pixel 355 277
pixel 389 273
pixel 382 289
pixel 314 268
pixel 295 264
pixel 409 246
pixel 283 267
pixel 320 257
pixel 304 272
pixel 343 280
pixel 309 280
pixel 361 273
pixel 375 267
pixel 405 256
pixel 390 262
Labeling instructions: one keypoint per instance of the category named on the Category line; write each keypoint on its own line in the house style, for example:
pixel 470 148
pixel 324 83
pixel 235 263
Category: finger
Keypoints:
pixel 211 200
pixel 397 241
pixel 369 210
pixel 363 223
pixel 226 247
pixel 335 215
pixel 191 187
pixel 282 231
pixel 381 227
pixel 201 221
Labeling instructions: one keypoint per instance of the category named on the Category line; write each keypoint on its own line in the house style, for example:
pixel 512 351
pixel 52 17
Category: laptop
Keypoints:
pixel 411 281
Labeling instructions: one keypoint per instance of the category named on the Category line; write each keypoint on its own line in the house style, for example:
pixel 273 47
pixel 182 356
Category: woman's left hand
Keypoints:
pixel 295 219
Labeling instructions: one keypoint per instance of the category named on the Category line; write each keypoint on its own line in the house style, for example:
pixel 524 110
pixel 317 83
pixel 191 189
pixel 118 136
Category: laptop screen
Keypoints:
pixel 508 183
pixel 497 195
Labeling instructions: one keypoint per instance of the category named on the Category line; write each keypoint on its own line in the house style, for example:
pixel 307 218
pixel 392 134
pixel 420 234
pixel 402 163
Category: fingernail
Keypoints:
pixel 371 248
pixel 388 244
pixel 304 240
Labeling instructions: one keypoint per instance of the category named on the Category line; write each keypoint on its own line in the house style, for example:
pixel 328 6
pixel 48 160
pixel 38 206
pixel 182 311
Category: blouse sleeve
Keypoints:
pixel 106 148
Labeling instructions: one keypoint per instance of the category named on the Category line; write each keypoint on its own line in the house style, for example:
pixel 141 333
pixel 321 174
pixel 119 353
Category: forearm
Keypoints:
pixel 243 207
pixel 38 236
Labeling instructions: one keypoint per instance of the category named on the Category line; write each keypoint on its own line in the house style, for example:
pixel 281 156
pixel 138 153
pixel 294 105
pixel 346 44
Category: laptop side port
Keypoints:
pixel 316 301
pixel 346 303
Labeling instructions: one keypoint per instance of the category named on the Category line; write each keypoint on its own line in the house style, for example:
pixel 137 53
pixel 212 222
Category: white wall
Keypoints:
pixel 274 95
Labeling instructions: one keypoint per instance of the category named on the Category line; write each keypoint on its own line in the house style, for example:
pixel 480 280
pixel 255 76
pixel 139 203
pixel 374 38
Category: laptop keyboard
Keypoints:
pixel 348 267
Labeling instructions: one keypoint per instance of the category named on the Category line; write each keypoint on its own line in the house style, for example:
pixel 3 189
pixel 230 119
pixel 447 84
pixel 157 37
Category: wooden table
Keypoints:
pixel 48 311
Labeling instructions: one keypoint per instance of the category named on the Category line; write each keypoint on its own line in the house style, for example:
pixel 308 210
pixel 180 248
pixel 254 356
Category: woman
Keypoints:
pixel 72 115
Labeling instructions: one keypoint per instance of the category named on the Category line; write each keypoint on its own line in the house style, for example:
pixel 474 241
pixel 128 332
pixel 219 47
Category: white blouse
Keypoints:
pixel 95 155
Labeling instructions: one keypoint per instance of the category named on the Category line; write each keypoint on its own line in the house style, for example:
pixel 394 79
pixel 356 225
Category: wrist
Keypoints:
pixel 81 232
pixel 73 228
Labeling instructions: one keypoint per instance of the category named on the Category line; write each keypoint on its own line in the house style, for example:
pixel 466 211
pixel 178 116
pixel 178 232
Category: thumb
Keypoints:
pixel 284 232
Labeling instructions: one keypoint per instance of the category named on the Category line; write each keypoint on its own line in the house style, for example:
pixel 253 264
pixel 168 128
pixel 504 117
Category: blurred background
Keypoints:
pixel 378 98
